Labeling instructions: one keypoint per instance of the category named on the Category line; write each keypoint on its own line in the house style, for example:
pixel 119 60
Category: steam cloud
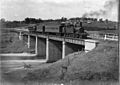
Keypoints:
pixel 102 12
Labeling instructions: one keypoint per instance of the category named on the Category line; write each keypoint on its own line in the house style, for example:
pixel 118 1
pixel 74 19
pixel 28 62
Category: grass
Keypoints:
pixel 77 82
pixel 10 42
pixel 98 67
pixel 100 25
pixel 6 39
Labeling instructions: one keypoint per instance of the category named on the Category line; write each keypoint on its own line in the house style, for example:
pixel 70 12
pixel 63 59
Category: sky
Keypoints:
pixel 55 9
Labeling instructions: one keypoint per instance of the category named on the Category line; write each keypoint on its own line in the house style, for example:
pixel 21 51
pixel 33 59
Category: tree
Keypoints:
pixel 101 20
pixel 63 19
pixel 27 20
pixel 33 20
pixel 106 20
pixel 2 20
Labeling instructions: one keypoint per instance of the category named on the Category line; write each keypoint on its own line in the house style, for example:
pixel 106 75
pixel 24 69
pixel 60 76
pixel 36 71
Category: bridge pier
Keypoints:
pixel 20 35
pixel 28 43
pixel 63 49
pixel 47 49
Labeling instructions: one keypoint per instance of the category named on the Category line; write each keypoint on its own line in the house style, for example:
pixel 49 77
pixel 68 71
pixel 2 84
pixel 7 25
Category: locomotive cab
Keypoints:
pixel 79 31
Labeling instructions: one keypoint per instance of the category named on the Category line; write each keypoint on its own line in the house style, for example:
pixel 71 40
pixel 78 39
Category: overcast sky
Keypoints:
pixel 51 9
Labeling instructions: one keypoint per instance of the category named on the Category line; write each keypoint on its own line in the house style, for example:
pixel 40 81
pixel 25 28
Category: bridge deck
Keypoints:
pixel 57 38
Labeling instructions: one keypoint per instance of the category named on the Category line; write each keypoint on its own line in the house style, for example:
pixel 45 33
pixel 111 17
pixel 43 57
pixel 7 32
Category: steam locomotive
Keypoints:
pixel 65 29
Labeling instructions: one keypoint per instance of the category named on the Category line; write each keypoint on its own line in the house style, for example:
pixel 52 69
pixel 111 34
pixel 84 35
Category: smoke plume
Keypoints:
pixel 109 5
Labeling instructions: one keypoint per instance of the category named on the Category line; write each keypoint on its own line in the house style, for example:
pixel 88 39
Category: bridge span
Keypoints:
pixel 49 48
pixel 52 48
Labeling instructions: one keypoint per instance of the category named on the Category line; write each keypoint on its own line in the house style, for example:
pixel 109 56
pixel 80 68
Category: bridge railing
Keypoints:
pixel 111 37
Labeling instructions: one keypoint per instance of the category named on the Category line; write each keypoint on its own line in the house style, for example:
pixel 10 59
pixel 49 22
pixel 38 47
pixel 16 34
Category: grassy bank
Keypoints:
pixel 6 38
pixel 100 64
pixel 10 43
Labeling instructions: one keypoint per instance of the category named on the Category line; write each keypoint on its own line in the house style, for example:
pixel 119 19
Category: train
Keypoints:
pixel 64 29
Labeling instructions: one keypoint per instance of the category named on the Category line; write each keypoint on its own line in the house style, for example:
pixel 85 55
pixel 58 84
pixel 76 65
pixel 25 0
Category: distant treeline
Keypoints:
pixel 89 22
pixel 26 21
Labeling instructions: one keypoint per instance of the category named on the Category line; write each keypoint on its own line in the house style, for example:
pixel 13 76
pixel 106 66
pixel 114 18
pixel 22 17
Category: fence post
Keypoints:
pixel 105 37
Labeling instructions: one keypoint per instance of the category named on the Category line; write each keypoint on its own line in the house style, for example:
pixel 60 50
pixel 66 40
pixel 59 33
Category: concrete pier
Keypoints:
pixel 28 43
pixel 20 35
pixel 47 49
pixel 63 49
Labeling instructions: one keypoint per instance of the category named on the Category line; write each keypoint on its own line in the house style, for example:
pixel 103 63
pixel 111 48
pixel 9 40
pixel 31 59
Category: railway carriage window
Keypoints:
pixel 80 24
pixel 35 27
pixel 43 28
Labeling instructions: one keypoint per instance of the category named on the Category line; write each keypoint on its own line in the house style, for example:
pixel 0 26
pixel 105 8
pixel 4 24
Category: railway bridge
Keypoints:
pixel 52 48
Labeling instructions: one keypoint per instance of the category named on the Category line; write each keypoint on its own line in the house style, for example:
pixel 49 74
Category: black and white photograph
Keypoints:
pixel 59 42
